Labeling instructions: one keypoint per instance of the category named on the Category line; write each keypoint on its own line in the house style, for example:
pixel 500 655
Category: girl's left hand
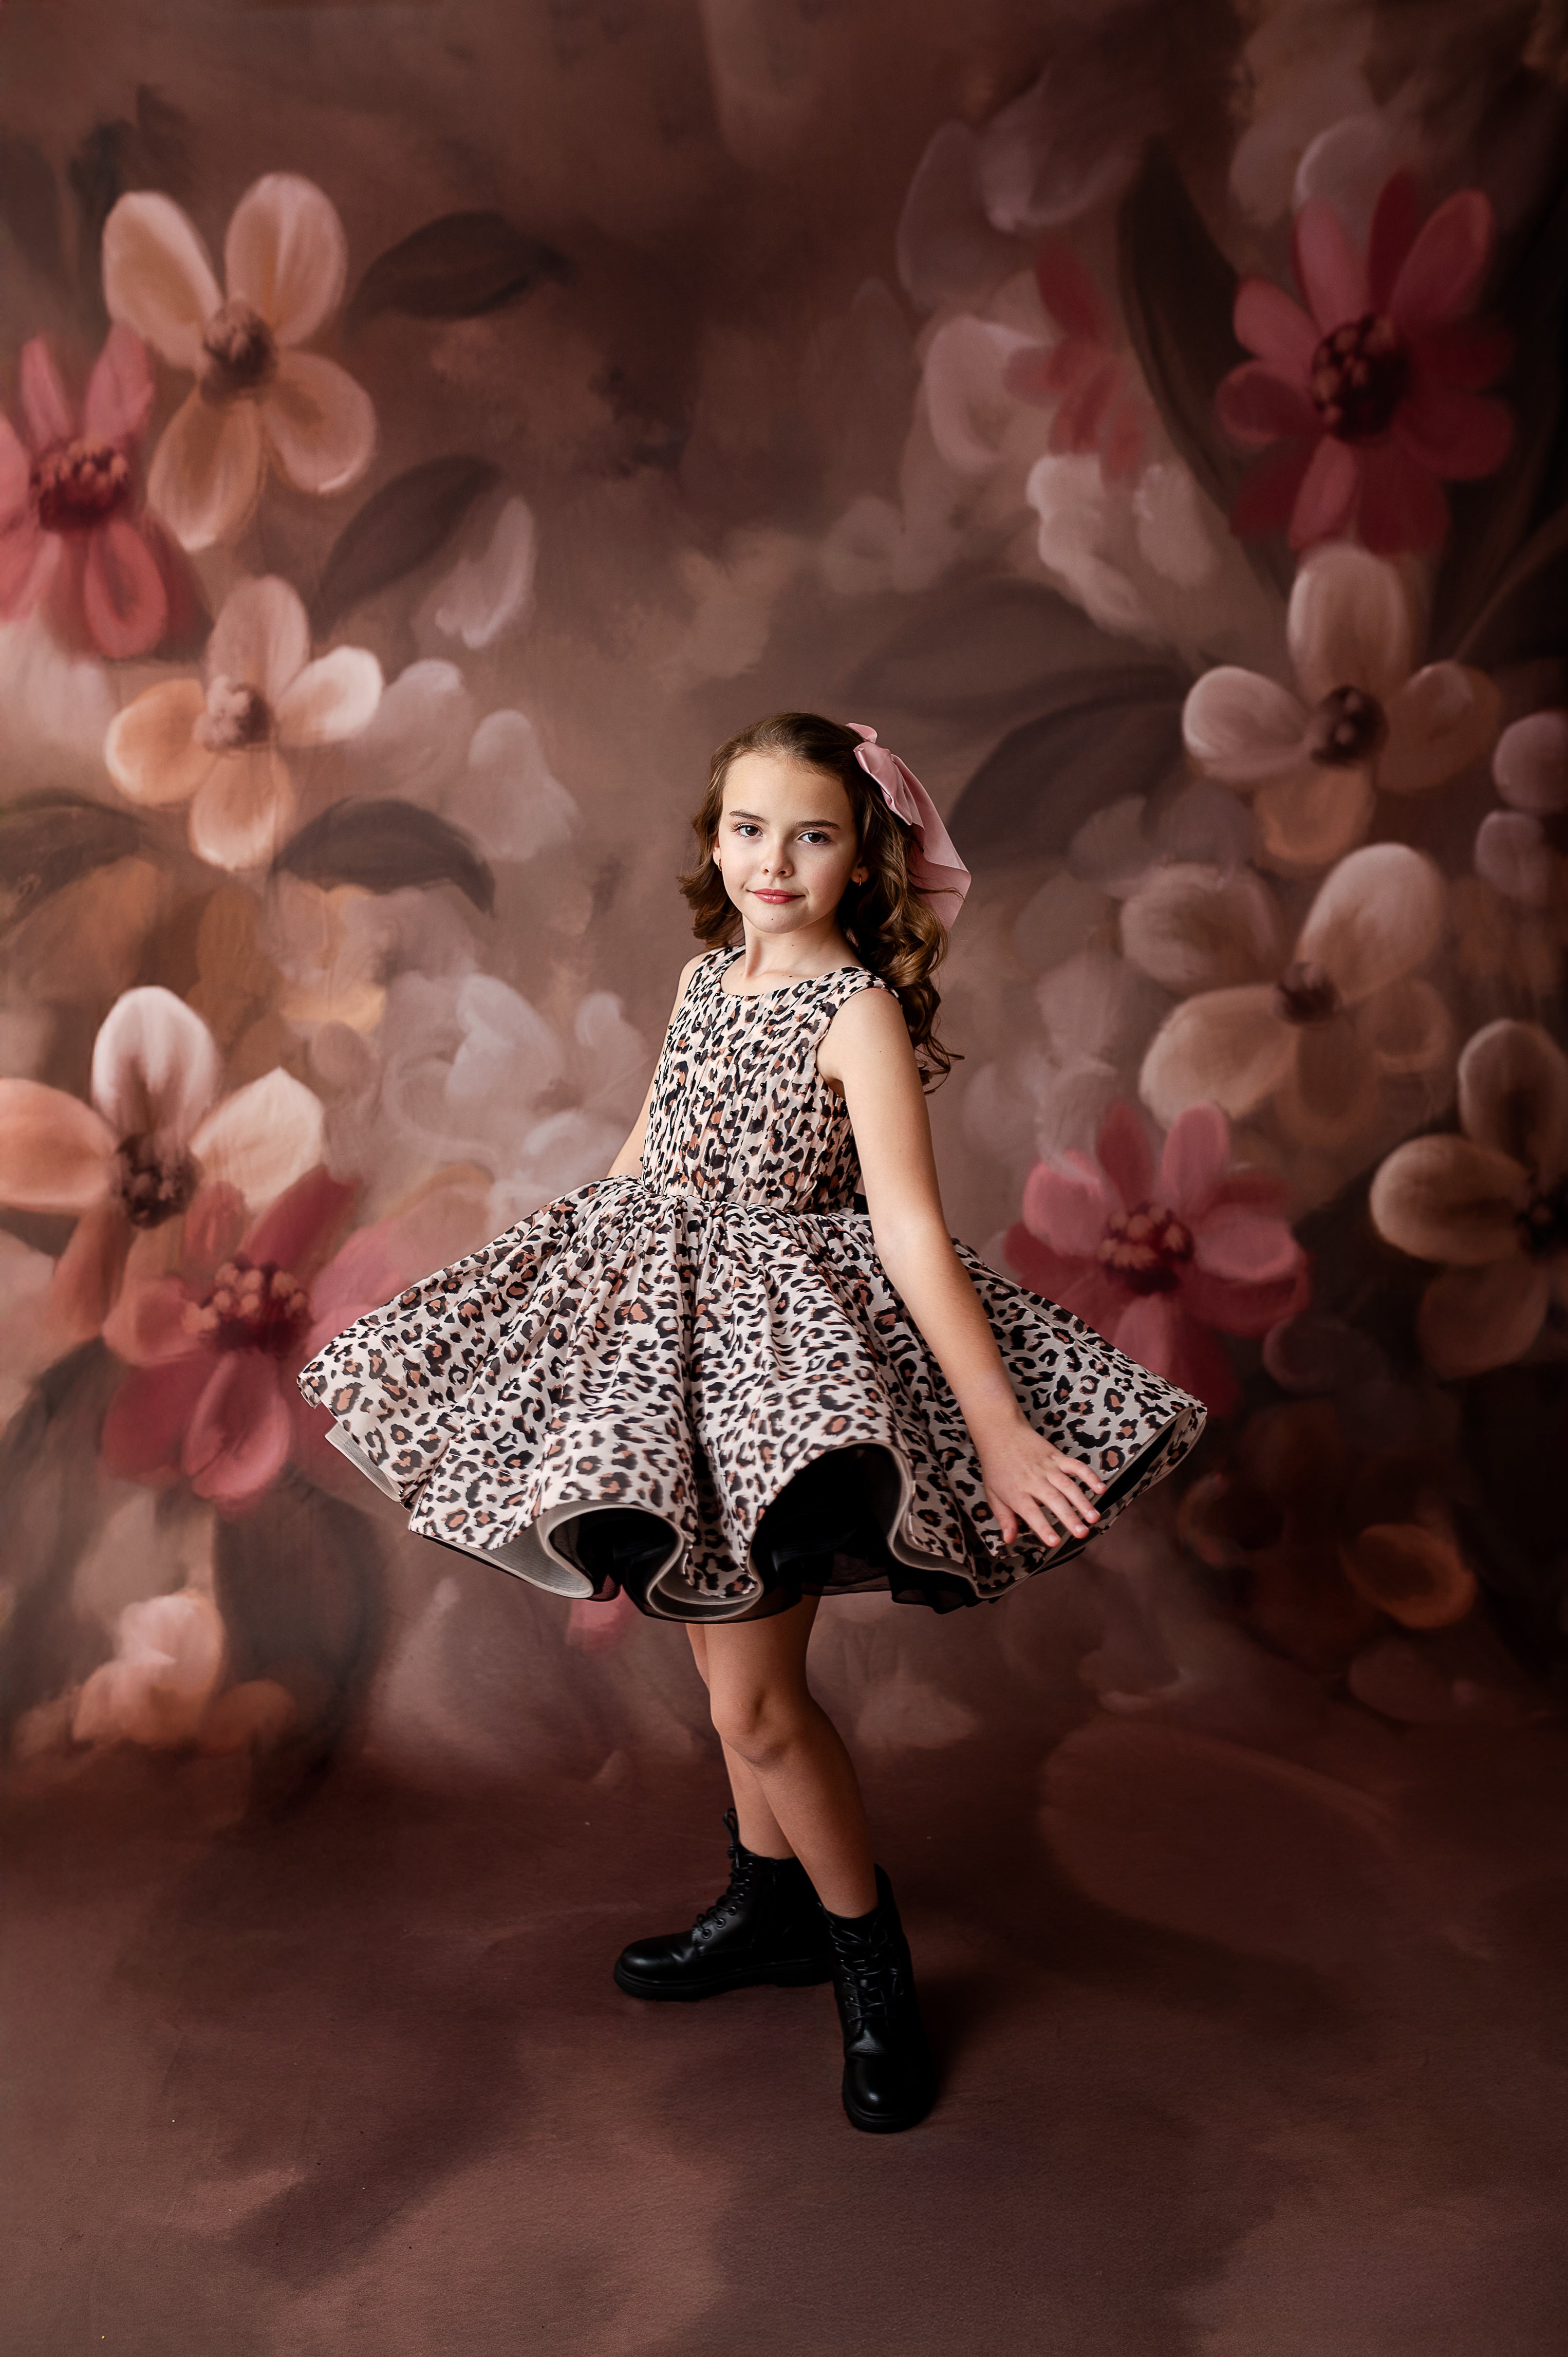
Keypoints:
pixel 1026 1479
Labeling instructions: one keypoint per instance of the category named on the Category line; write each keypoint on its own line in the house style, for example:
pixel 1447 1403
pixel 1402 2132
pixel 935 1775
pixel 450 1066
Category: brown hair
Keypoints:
pixel 891 926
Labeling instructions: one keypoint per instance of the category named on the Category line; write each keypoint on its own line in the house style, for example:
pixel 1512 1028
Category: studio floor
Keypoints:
pixel 353 2078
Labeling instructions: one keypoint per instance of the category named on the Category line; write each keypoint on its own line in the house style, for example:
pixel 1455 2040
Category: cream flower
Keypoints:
pixel 1316 1029
pixel 1492 1202
pixel 165 1686
pixel 158 1128
pixel 222 748
pixel 257 400
pixel 1364 719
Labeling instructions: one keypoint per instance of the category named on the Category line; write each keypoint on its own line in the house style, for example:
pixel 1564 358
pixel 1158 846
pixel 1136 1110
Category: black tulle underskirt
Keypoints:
pixel 820 1536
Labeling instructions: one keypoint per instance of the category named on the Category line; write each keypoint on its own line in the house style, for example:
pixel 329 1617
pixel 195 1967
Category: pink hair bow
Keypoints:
pixel 936 871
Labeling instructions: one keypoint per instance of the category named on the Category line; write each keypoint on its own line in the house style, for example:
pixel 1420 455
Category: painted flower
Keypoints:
pixel 1372 395
pixel 157 1129
pixel 1160 1259
pixel 1099 404
pixel 1491 1203
pixel 1325 1526
pixel 1362 718
pixel 165 1686
pixel 214 1348
pixel 257 399
pixel 1315 1027
pixel 223 746
pixel 1514 853
pixel 72 539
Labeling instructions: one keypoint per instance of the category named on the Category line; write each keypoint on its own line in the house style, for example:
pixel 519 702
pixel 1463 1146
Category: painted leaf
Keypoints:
pixel 1522 620
pixel 399 528
pixel 300 1581
pixel 385 846
pixel 984 651
pixel 153 152
pixel 30 207
pixel 456 268
pixel 1109 734
pixel 51 1514
pixel 1178 295
pixel 48 840
pixel 1500 526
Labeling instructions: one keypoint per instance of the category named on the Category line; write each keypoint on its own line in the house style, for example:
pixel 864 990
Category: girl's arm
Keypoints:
pixel 628 1163
pixel 868 1048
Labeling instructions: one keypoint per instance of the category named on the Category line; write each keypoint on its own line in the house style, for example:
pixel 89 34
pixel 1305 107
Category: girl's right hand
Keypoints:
pixel 1028 1481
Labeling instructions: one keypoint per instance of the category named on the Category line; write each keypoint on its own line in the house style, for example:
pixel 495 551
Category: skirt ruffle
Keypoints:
pixel 685 1359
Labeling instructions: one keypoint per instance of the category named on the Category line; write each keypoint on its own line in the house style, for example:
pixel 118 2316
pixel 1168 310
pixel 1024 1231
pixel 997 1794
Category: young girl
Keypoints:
pixel 750 1368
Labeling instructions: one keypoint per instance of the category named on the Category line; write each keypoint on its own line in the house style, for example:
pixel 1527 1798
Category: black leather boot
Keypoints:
pixel 889 2081
pixel 767 1926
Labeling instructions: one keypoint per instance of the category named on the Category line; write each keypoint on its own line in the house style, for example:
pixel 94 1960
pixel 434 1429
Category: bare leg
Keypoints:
pixel 789 1753
pixel 759 1827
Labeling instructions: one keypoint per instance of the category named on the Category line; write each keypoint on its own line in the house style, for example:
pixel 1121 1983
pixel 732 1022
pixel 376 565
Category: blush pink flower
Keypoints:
pixel 1159 1260
pixel 73 539
pixel 1100 406
pixel 1362 719
pixel 215 1347
pixel 224 745
pixel 1371 395
pixel 257 400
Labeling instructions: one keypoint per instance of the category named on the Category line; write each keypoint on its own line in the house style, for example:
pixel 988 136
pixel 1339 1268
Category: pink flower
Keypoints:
pixel 72 539
pixel 1156 1260
pixel 1371 394
pixel 158 1128
pixel 215 1349
pixel 1099 403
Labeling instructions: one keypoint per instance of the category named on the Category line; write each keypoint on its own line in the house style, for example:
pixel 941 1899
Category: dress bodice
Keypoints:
pixel 739 1111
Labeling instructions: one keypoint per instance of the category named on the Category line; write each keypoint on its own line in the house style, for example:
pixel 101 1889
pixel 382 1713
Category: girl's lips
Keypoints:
pixel 774 896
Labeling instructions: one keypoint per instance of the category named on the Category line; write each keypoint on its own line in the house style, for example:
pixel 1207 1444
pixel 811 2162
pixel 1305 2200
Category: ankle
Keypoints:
pixel 858 1918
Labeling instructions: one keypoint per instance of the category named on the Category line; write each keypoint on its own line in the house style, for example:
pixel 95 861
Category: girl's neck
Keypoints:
pixel 790 957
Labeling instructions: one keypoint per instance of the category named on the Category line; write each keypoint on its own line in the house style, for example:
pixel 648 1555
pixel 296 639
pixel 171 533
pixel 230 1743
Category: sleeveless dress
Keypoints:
pixel 699 1384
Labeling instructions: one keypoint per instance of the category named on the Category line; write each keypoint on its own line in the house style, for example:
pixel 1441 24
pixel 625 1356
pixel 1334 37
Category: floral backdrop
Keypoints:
pixel 417 451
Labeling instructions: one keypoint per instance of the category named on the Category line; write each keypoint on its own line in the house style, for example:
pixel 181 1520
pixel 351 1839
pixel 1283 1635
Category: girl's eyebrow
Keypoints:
pixel 762 822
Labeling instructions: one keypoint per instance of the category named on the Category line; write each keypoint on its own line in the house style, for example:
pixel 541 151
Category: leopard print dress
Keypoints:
pixel 687 1341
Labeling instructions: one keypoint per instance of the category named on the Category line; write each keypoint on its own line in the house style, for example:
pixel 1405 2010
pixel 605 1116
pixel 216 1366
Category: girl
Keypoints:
pixel 750 1367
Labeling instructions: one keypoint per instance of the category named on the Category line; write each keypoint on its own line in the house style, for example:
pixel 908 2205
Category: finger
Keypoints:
pixel 1063 1500
pixel 1065 1505
pixel 1068 1469
pixel 1043 1527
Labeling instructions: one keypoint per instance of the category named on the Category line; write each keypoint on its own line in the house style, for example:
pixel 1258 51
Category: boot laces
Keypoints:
pixel 742 1865
pixel 871 1970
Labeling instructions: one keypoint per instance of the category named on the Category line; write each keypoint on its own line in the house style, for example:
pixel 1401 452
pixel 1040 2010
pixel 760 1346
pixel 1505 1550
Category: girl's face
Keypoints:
pixel 786 844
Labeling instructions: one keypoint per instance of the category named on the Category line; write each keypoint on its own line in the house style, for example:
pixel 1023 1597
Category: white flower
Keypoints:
pixel 464 1068
pixel 162 1687
pixel 1362 721
pixel 223 748
pixel 492 779
pixel 1316 1028
pixel 257 399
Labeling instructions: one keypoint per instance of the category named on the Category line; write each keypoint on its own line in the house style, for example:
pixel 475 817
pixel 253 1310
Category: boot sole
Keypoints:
pixel 666 1993
pixel 870 2124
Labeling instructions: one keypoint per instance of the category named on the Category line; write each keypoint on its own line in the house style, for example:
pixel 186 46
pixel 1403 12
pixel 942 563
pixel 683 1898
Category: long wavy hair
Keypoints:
pixel 890 926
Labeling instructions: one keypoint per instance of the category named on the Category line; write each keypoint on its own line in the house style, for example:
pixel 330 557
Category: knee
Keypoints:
pixel 758 1723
